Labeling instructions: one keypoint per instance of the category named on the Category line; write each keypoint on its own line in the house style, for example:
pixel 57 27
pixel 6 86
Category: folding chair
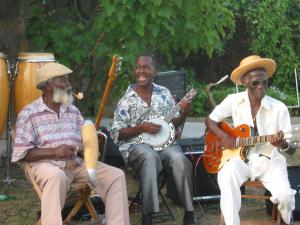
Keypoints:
pixel 81 190
pixel 136 201
pixel 79 193
pixel 275 217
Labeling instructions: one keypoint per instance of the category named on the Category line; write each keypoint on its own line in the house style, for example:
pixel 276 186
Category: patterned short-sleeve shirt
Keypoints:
pixel 38 126
pixel 132 110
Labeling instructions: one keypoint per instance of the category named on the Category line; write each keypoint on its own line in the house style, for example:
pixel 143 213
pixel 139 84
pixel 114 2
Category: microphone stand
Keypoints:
pixel 9 179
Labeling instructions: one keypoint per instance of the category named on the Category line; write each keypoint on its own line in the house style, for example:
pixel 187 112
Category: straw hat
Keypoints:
pixel 51 70
pixel 250 63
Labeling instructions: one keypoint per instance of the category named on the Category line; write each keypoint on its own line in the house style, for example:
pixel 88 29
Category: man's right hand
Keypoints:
pixel 151 128
pixel 64 152
pixel 226 142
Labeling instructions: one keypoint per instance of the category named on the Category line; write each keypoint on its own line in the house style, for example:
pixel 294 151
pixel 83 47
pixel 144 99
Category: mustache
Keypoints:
pixel 63 96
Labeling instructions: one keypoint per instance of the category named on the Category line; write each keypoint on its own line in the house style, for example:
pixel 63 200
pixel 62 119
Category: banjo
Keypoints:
pixel 166 135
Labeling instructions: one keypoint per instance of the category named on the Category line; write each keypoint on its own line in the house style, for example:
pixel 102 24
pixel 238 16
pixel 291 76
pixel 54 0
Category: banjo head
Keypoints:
pixel 163 138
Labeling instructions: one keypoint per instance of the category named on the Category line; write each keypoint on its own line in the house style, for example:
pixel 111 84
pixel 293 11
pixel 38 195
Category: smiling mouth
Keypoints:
pixel 142 78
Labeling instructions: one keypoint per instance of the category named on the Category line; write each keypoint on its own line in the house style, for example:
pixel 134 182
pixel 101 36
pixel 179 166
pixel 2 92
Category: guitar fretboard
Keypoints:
pixel 248 141
pixel 176 108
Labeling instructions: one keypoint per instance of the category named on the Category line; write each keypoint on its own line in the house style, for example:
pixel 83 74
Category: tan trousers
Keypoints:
pixel 55 183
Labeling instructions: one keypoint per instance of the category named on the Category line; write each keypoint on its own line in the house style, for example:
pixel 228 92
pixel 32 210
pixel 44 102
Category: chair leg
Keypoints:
pixel 74 211
pixel 222 222
pixel 89 205
pixel 166 204
pixel 39 222
pixel 137 196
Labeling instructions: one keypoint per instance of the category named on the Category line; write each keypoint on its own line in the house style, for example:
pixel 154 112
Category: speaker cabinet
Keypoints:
pixel 175 81
pixel 294 177
pixel 205 186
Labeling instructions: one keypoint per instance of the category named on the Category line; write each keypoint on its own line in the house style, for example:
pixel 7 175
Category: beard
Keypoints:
pixel 63 96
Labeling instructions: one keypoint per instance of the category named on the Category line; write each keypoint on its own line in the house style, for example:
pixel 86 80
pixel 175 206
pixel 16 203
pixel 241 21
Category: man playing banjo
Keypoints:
pixel 142 100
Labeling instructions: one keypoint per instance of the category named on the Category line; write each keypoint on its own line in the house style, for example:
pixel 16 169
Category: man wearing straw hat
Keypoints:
pixel 264 162
pixel 48 136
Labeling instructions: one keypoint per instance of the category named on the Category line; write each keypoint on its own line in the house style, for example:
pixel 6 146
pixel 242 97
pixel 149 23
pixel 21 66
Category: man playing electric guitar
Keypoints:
pixel 264 162
pixel 141 100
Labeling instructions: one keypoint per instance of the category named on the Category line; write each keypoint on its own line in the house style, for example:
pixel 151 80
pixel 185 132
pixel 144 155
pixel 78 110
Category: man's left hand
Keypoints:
pixel 186 106
pixel 278 140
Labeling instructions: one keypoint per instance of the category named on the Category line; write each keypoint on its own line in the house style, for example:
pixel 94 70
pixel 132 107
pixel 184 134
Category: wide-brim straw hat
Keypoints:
pixel 51 70
pixel 250 63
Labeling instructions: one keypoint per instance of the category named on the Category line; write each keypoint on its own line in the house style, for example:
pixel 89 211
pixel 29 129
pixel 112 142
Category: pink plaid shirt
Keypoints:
pixel 38 126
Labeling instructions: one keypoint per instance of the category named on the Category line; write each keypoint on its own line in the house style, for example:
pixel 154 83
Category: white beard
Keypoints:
pixel 62 96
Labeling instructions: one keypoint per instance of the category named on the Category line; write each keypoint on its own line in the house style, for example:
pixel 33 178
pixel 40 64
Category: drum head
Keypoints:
pixel 161 137
pixel 2 56
pixel 36 56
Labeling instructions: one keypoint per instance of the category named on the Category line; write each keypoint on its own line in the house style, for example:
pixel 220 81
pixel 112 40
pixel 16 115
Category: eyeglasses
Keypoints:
pixel 255 83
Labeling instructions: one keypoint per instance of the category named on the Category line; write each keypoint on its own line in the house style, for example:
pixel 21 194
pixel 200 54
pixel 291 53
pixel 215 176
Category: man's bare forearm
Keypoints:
pixel 36 154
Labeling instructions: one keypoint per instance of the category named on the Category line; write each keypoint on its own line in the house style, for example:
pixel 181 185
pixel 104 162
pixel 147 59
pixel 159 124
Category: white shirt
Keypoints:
pixel 271 117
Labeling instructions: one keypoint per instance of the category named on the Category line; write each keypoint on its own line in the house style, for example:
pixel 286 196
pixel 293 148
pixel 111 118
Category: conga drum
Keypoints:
pixel 25 90
pixel 4 91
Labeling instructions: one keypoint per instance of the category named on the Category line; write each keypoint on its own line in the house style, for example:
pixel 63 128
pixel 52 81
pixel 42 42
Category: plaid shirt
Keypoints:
pixel 38 126
pixel 132 110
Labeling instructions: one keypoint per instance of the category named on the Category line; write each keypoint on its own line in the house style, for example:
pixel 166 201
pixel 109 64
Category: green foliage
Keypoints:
pixel 86 36
pixel 126 28
pixel 274 29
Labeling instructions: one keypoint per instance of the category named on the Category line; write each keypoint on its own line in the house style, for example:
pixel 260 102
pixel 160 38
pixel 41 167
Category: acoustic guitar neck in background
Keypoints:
pixel 114 69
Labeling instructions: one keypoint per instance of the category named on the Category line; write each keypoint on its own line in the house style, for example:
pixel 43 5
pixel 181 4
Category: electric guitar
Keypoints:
pixel 215 156
pixel 114 69
pixel 166 134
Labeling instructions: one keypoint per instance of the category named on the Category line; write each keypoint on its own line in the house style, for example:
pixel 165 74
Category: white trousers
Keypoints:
pixel 235 172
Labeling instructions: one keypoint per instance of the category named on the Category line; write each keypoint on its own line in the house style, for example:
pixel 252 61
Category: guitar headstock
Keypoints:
pixel 115 67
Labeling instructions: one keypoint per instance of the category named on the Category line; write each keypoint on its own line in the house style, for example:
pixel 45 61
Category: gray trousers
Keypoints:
pixel 148 164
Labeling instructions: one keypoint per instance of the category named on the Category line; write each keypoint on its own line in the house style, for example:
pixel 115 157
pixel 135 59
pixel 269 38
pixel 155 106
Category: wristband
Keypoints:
pixel 285 149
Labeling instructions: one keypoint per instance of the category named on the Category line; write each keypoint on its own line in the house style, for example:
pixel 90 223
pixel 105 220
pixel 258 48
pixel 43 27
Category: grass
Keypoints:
pixel 22 209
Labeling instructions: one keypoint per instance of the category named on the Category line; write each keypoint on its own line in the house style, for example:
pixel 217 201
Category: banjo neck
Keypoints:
pixel 177 107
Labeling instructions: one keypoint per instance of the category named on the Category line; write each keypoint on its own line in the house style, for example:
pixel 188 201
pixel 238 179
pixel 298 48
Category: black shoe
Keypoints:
pixel 189 218
pixel 147 219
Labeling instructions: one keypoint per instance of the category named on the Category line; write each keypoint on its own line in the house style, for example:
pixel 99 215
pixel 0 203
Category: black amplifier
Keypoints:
pixel 192 146
pixel 205 186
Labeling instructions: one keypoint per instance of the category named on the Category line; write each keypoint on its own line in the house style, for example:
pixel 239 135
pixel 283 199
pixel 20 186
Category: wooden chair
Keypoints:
pixel 81 190
pixel 275 217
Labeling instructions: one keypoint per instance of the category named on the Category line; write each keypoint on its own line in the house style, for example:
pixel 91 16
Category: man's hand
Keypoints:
pixel 186 106
pixel 279 141
pixel 226 142
pixel 64 152
pixel 151 128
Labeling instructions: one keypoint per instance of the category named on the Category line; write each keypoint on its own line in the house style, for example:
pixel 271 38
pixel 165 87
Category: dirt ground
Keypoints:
pixel 23 205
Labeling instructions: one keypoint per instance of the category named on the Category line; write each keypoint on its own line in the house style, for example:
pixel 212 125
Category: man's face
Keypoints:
pixel 62 90
pixel 144 71
pixel 257 82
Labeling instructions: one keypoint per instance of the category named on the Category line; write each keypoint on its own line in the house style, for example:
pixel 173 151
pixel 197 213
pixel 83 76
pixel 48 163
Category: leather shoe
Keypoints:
pixel 189 219
pixel 147 219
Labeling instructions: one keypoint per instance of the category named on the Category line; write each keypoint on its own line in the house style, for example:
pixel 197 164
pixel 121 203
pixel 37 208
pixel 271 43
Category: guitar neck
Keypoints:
pixel 177 107
pixel 249 141
pixel 103 102
pixel 174 110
